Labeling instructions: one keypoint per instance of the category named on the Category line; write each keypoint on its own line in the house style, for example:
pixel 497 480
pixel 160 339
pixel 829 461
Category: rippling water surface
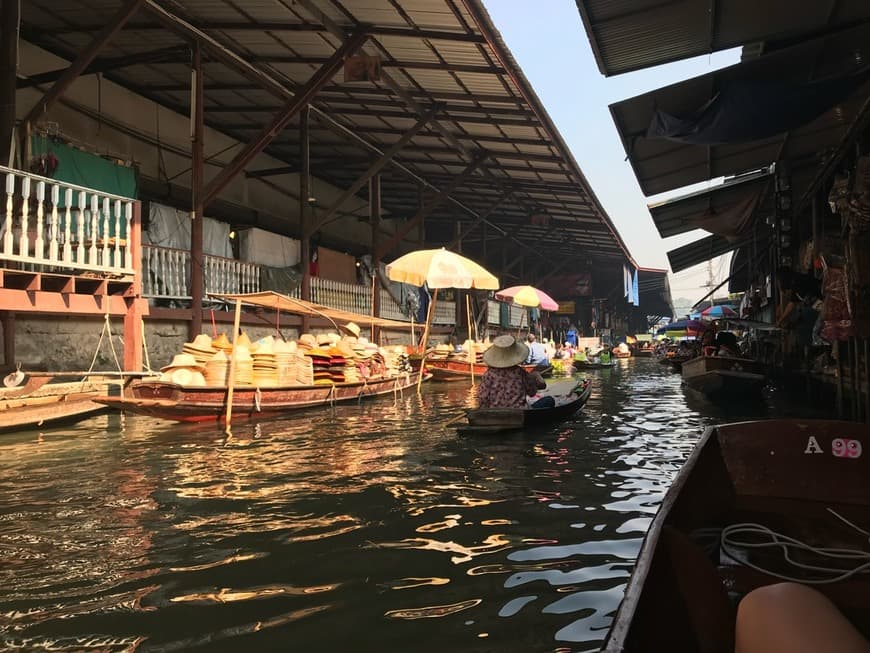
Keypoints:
pixel 364 527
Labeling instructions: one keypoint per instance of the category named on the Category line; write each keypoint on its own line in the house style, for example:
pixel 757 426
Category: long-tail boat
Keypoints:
pixel 722 376
pixel 711 542
pixel 208 404
pixel 569 398
pixel 214 403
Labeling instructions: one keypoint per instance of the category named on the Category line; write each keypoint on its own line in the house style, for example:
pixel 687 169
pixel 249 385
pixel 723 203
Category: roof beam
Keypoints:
pixel 268 82
pixel 287 26
pixel 106 33
pixel 108 64
pixel 436 201
pixel 375 168
pixel 480 219
pixel 301 99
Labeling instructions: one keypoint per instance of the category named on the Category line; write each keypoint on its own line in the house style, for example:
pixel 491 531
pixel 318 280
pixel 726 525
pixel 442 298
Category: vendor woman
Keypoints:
pixel 505 384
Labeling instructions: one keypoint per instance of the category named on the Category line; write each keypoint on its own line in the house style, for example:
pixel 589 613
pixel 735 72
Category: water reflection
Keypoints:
pixel 366 523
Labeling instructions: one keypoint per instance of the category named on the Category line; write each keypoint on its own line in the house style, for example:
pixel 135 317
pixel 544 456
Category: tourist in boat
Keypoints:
pixel 537 352
pixel 506 384
pixel 604 356
pixel 582 355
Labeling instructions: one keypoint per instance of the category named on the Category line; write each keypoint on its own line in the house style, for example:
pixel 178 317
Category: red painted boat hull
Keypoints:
pixel 208 404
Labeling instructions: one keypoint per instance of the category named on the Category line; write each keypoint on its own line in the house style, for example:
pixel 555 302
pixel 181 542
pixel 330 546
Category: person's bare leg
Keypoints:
pixel 794 618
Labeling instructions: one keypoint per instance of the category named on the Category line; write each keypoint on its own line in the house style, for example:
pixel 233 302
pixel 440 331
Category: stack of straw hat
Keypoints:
pixel 265 366
pixel 222 343
pixel 320 363
pixel 200 349
pixel 285 359
pixel 304 369
pixel 306 341
pixel 441 352
pixel 337 363
pixel 217 369
pixel 244 365
pixel 183 370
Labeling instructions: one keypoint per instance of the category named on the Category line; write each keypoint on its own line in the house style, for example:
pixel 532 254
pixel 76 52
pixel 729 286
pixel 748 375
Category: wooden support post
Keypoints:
pixel 304 209
pixel 197 132
pixel 299 101
pixel 10 16
pixel 375 220
pixel 106 34
pixel 9 338
pixel 458 301
pixel 136 306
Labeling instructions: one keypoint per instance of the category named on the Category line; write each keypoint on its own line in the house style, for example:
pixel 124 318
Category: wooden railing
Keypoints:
pixel 50 225
pixel 166 274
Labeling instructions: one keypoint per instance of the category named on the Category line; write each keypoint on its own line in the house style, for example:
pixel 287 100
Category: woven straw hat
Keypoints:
pixel 352 328
pixel 307 340
pixel 183 361
pixel 505 352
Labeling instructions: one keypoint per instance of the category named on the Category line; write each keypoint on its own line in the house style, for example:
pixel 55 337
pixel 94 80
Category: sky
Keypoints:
pixel 549 42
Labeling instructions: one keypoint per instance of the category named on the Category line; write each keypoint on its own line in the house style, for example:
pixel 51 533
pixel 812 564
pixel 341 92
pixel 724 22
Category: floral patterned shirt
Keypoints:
pixel 506 387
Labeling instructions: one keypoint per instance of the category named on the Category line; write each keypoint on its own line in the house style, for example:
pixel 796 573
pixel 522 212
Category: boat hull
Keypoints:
pixel 41 404
pixel 724 376
pixel 208 404
pixel 783 474
pixel 643 353
pixel 585 365
pixel 492 421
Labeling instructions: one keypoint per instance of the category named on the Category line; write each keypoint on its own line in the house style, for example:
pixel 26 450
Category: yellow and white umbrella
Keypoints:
pixel 439 268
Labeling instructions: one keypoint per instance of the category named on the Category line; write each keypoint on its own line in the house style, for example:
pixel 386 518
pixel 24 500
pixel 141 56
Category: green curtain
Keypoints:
pixel 89 170
pixel 86 169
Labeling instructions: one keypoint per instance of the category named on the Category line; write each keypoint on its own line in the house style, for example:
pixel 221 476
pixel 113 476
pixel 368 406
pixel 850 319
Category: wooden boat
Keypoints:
pixel 43 402
pixel 621 354
pixel 800 478
pixel 208 404
pixel 724 375
pixel 676 362
pixel 643 352
pixel 588 365
pixel 570 397
pixel 456 369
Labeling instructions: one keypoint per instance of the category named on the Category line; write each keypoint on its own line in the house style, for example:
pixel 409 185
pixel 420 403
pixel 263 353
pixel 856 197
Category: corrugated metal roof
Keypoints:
pixel 702 250
pixel 629 35
pixel 432 51
pixel 673 216
pixel 663 165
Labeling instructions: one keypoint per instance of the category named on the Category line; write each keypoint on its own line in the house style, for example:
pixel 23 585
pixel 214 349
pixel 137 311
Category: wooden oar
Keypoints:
pixel 455 419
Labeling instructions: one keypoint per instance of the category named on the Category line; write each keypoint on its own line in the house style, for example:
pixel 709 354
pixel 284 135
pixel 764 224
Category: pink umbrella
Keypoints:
pixel 718 312
pixel 528 296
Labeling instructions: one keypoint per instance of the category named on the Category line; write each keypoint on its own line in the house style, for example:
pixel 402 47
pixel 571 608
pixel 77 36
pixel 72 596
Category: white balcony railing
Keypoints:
pixel 52 225
pixel 166 274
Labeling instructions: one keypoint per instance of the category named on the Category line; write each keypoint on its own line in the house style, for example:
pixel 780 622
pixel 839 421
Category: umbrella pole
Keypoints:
pixel 429 314
pixel 471 355
pixel 231 376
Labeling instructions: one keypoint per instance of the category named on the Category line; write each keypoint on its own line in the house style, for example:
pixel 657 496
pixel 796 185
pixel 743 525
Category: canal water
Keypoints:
pixel 369 527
